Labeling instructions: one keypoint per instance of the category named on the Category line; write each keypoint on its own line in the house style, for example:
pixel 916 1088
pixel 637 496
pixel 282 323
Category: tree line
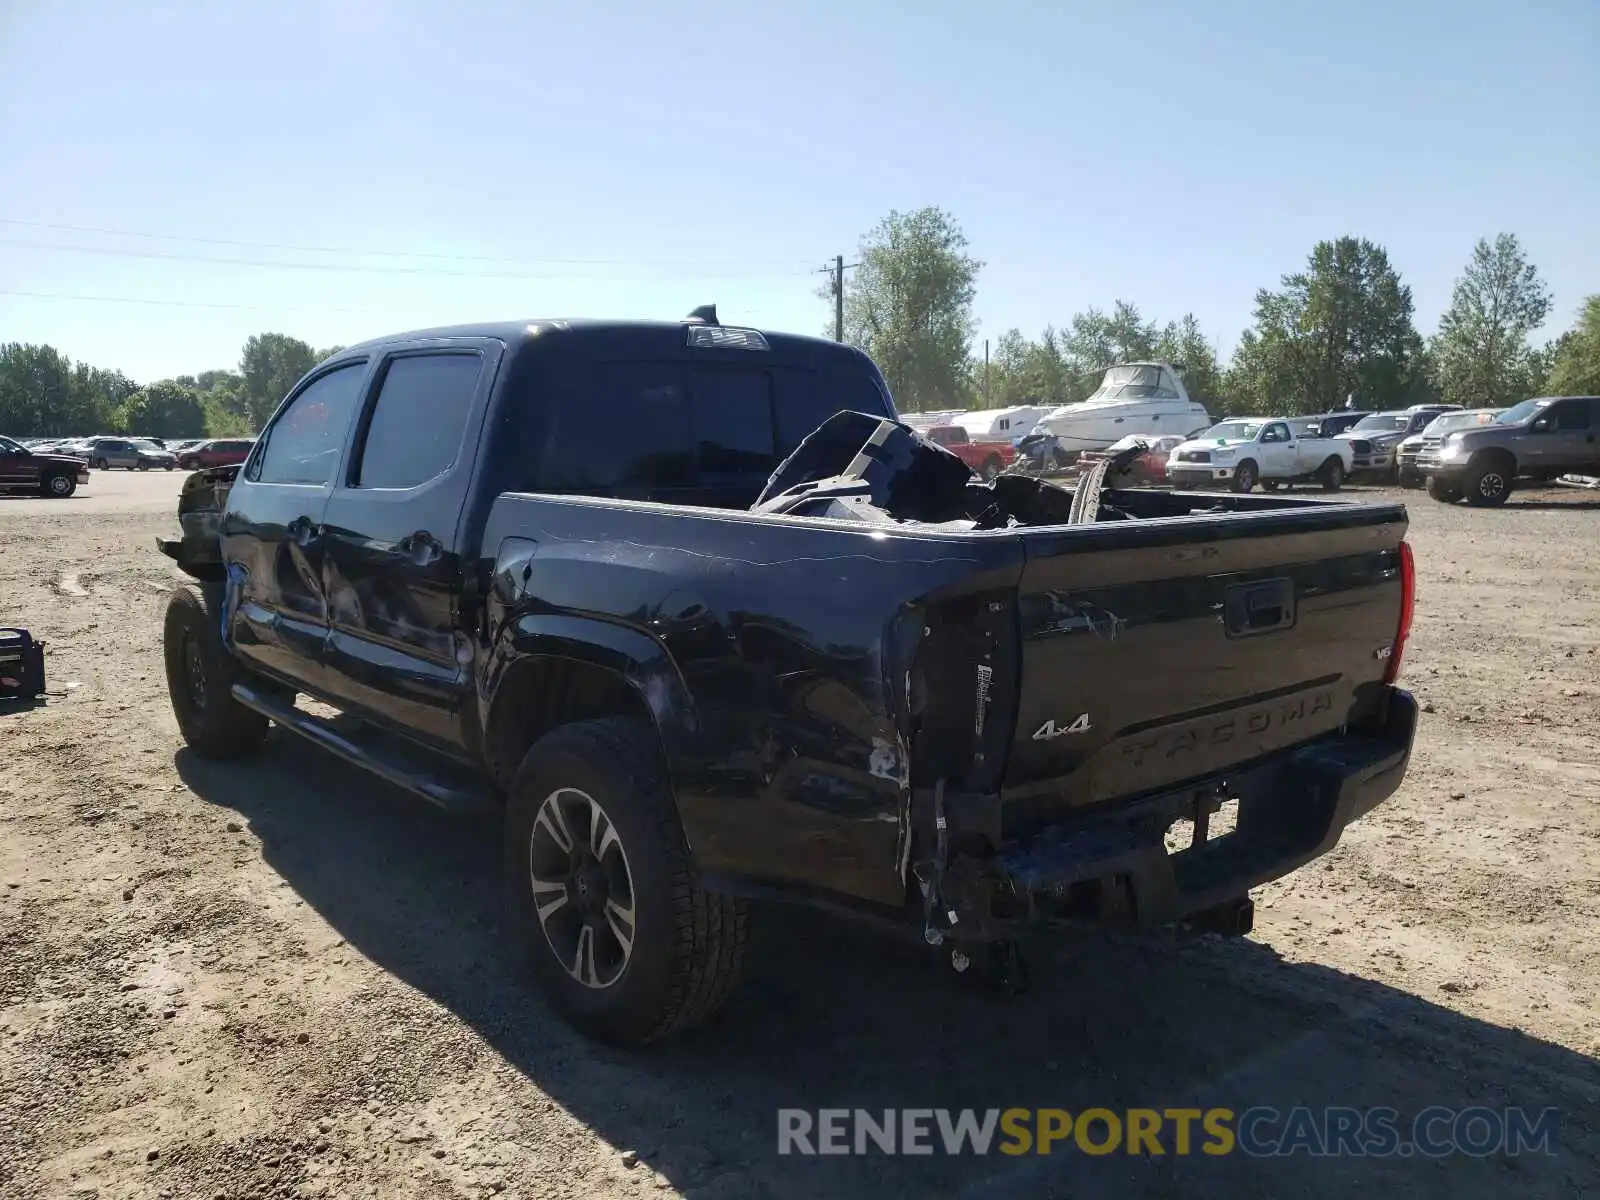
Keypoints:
pixel 1342 326
pixel 43 393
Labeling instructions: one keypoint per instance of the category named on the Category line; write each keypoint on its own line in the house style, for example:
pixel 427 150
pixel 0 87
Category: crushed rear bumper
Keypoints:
pixel 1115 865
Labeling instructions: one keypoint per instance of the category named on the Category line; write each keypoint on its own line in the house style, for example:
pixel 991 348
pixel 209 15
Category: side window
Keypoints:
pixel 1572 415
pixel 1005 423
pixel 732 422
pixel 304 442
pixel 630 428
pixel 1166 388
pixel 416 423
pixel 1276 432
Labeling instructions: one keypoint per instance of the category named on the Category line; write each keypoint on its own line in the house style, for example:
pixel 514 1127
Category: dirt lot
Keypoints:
pixel 281 979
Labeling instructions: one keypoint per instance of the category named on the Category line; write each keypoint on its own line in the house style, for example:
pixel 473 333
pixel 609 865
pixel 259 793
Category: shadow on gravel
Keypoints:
pixel 834 1016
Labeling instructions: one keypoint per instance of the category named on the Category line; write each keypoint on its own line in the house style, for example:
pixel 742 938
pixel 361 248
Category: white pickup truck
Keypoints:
pixel 1266 450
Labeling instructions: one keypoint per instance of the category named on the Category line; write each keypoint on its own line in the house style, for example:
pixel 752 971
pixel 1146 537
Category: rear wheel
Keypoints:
pixel 1270 485
pixel 599 889
pixel 201 674
pixel 1488 485
pixel 1245 476
pixel 101 465
pixel 142 465
pixel 1331 475
pixel 58 485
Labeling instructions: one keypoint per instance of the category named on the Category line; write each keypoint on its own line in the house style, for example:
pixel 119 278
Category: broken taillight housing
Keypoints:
pixel 1408 604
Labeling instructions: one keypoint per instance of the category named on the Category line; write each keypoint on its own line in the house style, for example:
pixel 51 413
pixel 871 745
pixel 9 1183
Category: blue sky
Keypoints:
pixel 637 159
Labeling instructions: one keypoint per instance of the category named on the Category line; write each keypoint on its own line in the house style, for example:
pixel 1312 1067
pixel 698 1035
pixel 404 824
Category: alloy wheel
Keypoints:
pixel 582 887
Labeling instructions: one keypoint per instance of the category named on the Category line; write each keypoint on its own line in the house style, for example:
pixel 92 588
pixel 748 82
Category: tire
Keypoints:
pixel 1488 485
pixel 992 466
pixel 100 464
pixel 58 485
pixel 170 467
pixel 142 465
pixel 201 674
pixel 1245 475
pixel 1331 475
pixel 1410 479
pixel 1441 491
pixel 687 945
pixel 1270 485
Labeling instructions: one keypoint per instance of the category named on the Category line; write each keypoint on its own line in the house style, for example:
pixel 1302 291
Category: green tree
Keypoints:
pixel 271 364
pixel 1182 344
pixel 1482 346
pixel 1341 327
pixel 43 392
pixel 909 305
pixel 167 409
pixel 1576 370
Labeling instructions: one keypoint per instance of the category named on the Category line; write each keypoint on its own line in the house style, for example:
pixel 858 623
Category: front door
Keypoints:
pixel 18 468
pixel 393 570
pixel 1276 449
pixel 272 534
pixel 1560 440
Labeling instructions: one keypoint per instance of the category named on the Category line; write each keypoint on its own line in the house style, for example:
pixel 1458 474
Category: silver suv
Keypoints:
pixel 1539 439
pixel 132 453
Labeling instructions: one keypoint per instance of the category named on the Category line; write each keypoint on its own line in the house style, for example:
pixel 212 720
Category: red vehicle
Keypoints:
pixel 25 470
pixel 988 459
pixel 221 452
pixel 1150 467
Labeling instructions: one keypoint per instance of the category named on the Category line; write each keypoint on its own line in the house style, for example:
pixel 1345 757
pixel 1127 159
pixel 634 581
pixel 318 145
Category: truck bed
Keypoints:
pixel 840 684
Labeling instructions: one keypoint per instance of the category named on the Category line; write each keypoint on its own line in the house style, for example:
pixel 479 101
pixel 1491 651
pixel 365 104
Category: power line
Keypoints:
pixel 354 250
pixel 179 303
pixel 366 268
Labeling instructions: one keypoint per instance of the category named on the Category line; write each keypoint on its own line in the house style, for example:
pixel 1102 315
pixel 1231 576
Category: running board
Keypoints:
pixel 416 771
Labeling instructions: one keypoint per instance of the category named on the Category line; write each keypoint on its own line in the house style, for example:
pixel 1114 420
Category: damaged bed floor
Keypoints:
pixel 280 978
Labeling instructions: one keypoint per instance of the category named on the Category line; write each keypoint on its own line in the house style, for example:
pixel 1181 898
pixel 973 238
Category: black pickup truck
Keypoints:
pixel 591 575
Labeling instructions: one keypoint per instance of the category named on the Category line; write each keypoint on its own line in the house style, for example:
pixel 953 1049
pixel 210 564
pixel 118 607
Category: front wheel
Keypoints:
pixel 100 464
pixel 58 486
pixel 1441 491
pixel 1409 478
pixel 1245 476
pixel 143 466
pixel 600 893
pixel 1488 486
pixel 201 674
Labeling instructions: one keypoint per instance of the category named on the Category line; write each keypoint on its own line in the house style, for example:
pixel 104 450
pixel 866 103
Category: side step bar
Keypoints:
pixel 416 772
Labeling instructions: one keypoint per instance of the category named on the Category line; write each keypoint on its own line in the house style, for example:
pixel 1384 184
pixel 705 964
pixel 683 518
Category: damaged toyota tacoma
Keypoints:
pixel 691 609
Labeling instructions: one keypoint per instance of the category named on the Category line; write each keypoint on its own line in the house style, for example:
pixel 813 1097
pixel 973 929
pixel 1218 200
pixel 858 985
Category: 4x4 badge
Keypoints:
pixel 1051 730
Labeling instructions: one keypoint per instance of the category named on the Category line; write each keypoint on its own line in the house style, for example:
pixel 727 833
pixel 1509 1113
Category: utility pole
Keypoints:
pixel 986 372
pixel 836 286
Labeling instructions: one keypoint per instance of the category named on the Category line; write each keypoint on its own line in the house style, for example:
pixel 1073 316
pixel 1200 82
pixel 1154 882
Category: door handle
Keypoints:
pixel 421 547
pixel 303 532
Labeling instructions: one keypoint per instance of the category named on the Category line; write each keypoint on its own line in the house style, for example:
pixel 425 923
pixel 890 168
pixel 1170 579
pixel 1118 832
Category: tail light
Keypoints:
pixel 1408 605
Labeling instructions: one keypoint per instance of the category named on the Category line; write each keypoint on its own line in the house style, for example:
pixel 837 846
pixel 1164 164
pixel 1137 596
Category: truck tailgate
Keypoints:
pixel 1184 648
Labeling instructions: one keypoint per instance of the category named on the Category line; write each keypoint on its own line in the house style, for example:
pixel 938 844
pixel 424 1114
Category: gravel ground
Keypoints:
pixel 280 978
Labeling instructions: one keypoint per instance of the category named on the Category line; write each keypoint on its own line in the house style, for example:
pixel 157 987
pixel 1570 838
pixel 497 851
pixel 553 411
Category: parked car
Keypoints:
pixel 1413 447
pixel 107 452
pixel 1268 450
pixel 1375 438
pixel 1540 439
pixel 678 708
pixel 1331 424
pixel 219 452
pixel 1149 467
pixel 24 469
pixel 988 459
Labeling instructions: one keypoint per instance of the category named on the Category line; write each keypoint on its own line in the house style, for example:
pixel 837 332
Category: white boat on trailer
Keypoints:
pixel 1138 397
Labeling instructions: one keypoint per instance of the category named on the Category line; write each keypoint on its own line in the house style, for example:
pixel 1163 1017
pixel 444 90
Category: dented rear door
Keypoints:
pixel 1157 652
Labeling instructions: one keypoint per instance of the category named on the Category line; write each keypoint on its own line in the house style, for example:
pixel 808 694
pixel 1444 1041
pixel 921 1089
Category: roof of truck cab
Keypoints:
pixel 596 333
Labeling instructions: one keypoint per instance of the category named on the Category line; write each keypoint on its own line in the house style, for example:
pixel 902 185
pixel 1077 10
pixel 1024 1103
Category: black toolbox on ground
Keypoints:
pixel 21 665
